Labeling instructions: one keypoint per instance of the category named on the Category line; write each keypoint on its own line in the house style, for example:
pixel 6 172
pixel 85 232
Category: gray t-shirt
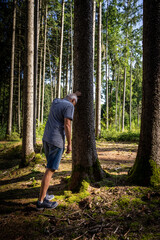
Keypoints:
pixel 54 130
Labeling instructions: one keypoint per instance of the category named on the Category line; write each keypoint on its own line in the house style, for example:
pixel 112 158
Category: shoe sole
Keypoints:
pixel 49 208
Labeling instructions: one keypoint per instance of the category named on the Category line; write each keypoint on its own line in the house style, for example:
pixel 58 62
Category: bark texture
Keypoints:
pixel 28 148
pixel 98 80
pixel 85 163
pixel 44 64
pixel 9 130
pixel 147 164
pixel 61 51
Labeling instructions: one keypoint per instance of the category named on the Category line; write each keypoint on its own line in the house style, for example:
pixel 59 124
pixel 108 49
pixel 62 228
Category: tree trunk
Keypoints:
pixel 19 93
pixel 117 89
pixel 44 64
pixel 85 164
pixel 147 165
pixel 130 99
pixel 72 67
pixel 36 39
pixel 9 129
pixel 27 144
pixel 61 50
pixel 107 77
pixel 98 80
pixel 39 89
pixel 94 23
pixel 67 65
pixel 124 99
pixel 50 70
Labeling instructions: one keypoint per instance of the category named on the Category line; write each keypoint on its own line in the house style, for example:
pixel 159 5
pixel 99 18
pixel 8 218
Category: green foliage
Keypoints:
pixel 40 130
pixel 14 137
pixel 113 135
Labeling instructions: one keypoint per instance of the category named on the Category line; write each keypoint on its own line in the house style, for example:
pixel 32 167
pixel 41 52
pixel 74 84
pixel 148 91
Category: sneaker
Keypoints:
pixel 49 197
pixel 46 204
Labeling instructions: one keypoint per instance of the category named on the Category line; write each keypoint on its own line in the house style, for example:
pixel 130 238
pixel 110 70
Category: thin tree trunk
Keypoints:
pixel 28 148
pixel 120 108
pixel 107 76
pixel 61 50
pixel 117 89
pixel 50 71
pixel 44 64
pixel 39 88
pixel 98 81
pixel 19 93
pixel 124 99
pixel 130 100
pixel 84 166
pixel 36 39
pixel 66 92
pixel 94 23
pixel 9 130
pixel 72 67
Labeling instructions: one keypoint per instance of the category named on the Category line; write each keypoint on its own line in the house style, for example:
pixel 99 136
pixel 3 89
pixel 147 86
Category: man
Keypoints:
pixel 57 126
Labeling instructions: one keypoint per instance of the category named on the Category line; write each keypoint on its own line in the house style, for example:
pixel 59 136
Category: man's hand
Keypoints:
pixel 69 149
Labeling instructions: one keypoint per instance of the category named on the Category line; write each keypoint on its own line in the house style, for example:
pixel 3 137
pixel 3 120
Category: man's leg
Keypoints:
pixel 45 183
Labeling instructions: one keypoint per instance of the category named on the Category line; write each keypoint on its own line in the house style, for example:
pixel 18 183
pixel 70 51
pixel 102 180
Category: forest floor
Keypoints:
pixel 110 209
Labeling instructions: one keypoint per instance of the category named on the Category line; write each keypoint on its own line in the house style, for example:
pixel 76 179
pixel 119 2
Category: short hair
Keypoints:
pixel 72 96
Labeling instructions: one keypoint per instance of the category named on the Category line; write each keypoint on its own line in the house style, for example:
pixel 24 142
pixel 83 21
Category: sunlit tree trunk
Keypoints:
pixel 44 65
pixel 98 80
pixel 107 75
pixel 117 89
pixel 9 129
pixel 61 50
pixel 28 148
pixel 147 165
pixel 39 88
pixel 130 98
pixel 85 164
pixel 50 71
pixel 124 99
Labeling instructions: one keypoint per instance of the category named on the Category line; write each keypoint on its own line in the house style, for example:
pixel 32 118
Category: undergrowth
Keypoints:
pixel 115 136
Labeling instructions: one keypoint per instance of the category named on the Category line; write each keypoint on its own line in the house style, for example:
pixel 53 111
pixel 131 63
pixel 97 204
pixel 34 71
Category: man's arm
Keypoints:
pixel 67 128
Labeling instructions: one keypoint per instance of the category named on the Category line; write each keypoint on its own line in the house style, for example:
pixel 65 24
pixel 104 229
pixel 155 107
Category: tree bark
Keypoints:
pixel 44 64
pixel 107 77
pixel 9 129
pixel 147 165
pixel 19 93
pixel 85 164
pixel 39 88
pixel 94 25
pixel 61 50
pixel 130 98
pixel 72 67
pixel 117 90
pixel 124 99
pixel 27 144
pixel 50 70
pixel 36 40
pixel 98 80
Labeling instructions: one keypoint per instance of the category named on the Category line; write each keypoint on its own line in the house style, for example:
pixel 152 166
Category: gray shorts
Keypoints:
pixel 53 155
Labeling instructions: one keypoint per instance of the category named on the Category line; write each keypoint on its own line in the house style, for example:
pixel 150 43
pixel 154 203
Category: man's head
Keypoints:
pixel 72 98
